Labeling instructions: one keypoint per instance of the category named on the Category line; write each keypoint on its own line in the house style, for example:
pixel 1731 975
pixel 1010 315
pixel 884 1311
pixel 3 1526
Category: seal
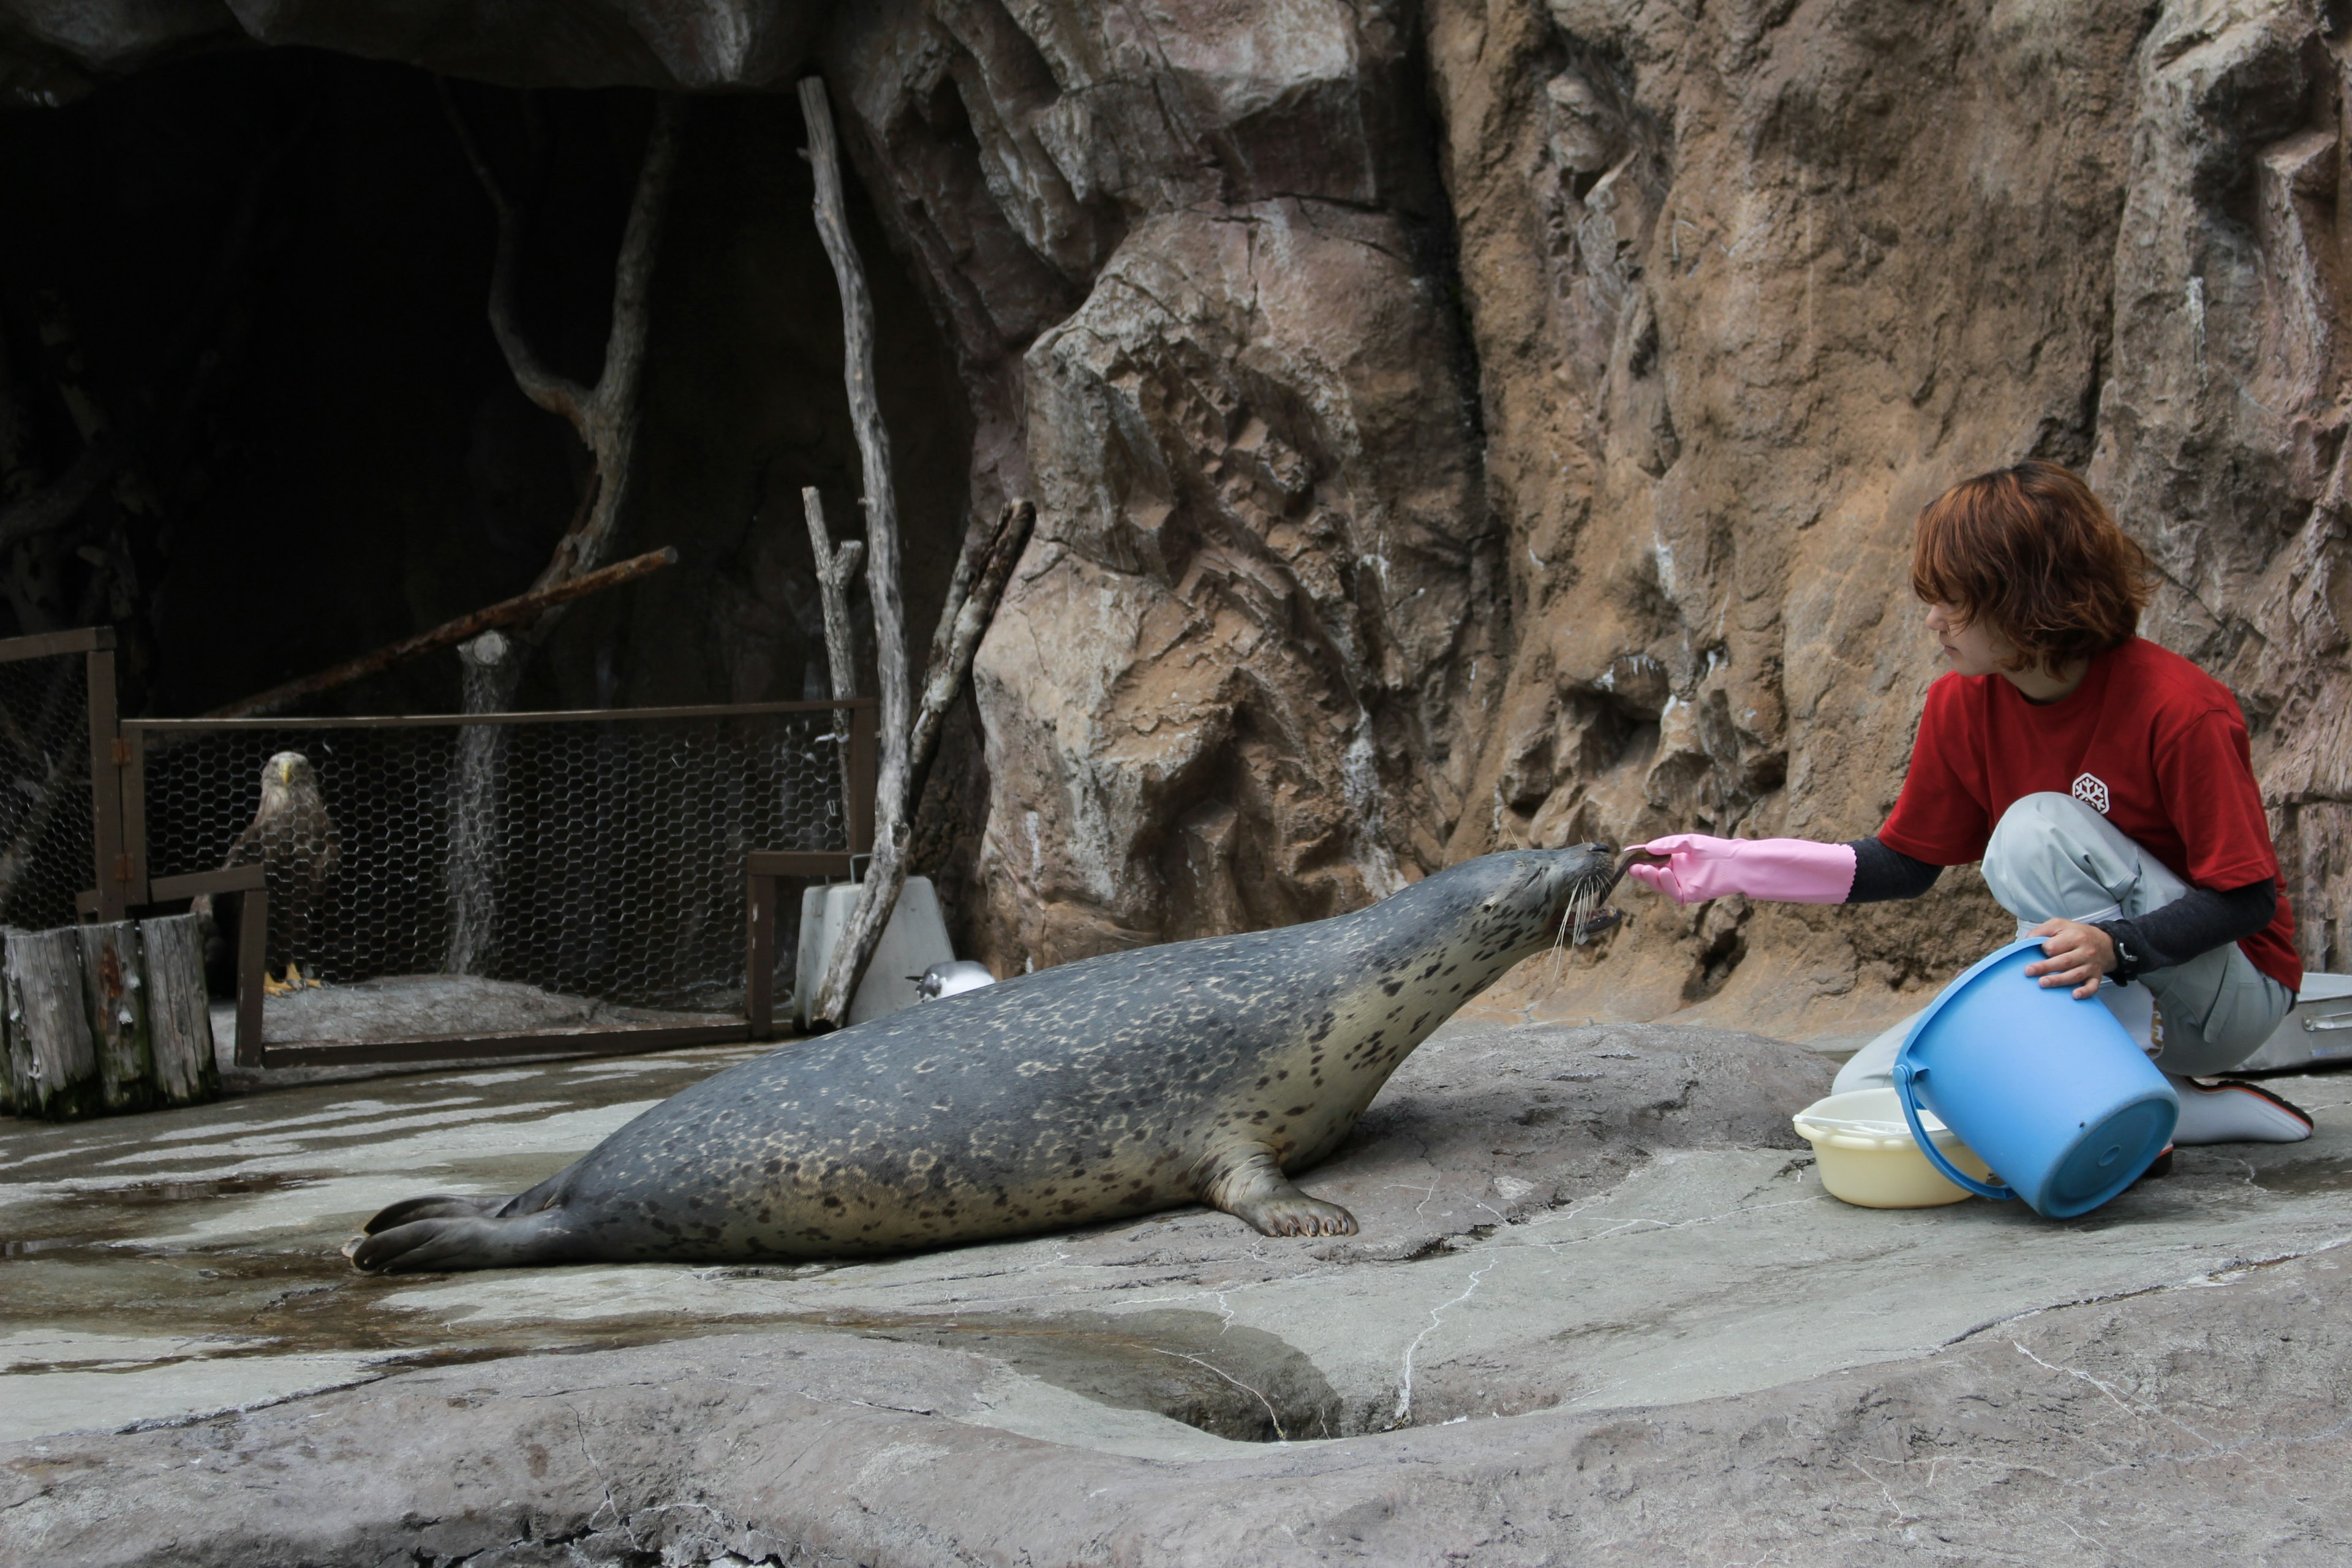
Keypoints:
pixel 1199 1071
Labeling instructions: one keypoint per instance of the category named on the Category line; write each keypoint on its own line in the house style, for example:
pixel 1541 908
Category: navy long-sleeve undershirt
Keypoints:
pixel 2198 922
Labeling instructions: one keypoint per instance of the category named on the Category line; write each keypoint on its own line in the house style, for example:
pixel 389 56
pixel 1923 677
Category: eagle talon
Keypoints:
pixel 272 987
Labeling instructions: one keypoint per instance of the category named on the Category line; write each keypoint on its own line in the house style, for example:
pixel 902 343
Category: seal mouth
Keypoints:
pixel 1588 915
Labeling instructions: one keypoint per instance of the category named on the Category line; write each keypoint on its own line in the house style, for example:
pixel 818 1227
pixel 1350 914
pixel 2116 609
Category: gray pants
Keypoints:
pixel 2053 858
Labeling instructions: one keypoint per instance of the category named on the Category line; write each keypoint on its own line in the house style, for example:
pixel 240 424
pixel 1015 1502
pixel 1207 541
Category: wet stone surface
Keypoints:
pixel 1551 1217
pixel 1563 1229
pixel 156 1265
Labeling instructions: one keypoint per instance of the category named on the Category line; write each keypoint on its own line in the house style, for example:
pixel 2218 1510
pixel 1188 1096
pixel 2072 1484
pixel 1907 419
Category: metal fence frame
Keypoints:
pixel 119 749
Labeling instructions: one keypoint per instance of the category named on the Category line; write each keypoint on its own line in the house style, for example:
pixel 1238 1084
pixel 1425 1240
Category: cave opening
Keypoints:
pixel 253 415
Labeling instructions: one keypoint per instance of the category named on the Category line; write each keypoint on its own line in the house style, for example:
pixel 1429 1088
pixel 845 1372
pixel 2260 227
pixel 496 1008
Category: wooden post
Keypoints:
pixel 61 1079
pixel 107 756
pixel 179 1014
pixel 112 992
pixel 252 968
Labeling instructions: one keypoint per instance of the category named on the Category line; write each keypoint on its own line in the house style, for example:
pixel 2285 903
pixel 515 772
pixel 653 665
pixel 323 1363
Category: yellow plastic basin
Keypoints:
pixel 1866 1155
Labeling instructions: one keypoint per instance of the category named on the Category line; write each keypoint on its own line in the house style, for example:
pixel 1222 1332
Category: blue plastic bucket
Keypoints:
pixel 2050 1092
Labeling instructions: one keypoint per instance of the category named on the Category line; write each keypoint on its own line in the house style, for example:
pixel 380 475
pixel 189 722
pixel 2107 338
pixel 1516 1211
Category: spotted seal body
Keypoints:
pixel 1197 1072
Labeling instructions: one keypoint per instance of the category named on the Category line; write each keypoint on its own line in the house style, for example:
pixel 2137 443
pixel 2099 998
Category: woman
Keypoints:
pixel 2104 781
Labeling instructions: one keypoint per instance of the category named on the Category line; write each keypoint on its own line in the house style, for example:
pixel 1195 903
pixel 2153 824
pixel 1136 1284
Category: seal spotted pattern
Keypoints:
pixel 1197 1072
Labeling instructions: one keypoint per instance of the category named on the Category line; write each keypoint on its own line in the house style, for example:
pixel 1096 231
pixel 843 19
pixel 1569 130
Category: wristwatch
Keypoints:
pixel 2127 962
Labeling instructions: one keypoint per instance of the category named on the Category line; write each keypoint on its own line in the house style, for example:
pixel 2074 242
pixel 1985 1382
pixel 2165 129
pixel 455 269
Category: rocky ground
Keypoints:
pixel 1600 1309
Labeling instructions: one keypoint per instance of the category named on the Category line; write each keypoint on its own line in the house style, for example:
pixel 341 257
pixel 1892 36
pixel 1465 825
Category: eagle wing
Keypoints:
pixel 247 849
pixel 322 849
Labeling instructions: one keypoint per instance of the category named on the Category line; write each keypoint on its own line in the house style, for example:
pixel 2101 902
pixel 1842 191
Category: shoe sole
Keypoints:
pixel 2260 1093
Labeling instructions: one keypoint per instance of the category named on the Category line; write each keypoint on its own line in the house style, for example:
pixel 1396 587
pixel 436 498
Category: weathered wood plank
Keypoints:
pixel 115 996
pixel 179 1015
pixel 60 1058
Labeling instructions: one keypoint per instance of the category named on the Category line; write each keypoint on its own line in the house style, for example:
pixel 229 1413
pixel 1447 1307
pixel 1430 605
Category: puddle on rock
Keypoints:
pixel 216 1230
pixel 74 1220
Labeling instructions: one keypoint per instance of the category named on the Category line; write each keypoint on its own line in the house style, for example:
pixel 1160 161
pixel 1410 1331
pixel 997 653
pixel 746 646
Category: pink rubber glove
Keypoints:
pixel 1788 870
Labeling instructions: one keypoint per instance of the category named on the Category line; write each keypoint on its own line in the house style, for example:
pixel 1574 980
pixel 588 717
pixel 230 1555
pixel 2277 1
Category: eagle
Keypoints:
pixel 292 839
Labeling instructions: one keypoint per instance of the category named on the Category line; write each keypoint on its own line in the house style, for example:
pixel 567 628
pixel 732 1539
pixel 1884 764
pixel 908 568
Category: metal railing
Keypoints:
pixel 627 859
pixel 599 855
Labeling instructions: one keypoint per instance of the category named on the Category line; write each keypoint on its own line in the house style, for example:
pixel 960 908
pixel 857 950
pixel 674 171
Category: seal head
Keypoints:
pixel 1202 1072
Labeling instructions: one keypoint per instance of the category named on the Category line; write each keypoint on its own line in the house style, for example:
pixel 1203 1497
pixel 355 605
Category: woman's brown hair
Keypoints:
pixel 2031 549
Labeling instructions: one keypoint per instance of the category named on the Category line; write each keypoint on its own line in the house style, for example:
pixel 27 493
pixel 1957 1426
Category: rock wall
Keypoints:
pixel 1196 264
pixel 1731 291
pixel 1485 422
pixel 1751 286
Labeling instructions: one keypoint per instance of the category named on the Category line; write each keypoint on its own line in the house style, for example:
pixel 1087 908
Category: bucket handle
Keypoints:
pixel 1905 1074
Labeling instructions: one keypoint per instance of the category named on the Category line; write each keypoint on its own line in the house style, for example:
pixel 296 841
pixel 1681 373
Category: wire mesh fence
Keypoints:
pixel 46 844
pixel 594 856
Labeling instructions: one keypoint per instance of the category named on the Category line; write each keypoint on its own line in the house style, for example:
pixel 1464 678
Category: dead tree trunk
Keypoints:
pixel 835 570
pixel 888 872
pixel 489 662
pixel 604 416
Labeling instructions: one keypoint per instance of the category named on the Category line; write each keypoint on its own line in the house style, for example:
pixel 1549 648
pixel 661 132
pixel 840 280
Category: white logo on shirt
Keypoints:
pixel 2091 791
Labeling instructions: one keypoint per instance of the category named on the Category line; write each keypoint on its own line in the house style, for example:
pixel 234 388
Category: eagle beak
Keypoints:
pixel 285 773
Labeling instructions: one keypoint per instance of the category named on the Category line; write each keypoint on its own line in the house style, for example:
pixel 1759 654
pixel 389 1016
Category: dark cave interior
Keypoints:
pixel 261 278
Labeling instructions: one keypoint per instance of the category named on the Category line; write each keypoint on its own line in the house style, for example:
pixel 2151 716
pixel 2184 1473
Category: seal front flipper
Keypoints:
pixel 1249 1185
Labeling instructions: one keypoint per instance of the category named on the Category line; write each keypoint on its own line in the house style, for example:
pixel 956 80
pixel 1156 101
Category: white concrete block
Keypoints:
pixel 916 938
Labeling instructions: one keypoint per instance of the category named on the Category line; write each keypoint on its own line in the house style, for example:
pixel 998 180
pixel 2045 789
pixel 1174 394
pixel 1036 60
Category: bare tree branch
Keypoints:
pixel 522 607
pixel 559 394
pixel 604 416
pixel 887 872
pixel 982 572
pixel 613 407
pixel 834 571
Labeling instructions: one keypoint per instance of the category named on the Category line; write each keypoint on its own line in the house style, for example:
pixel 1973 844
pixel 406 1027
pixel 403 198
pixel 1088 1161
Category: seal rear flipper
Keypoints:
pixel 1250 1186
pixel 466 1240
pixel 435 1206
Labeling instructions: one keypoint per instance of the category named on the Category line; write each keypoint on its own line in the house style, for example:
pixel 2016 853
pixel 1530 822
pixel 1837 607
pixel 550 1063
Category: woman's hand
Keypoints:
pixel 2078 956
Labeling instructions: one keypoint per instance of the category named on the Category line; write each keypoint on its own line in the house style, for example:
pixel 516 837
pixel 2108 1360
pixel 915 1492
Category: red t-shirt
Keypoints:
pixel 2148 740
